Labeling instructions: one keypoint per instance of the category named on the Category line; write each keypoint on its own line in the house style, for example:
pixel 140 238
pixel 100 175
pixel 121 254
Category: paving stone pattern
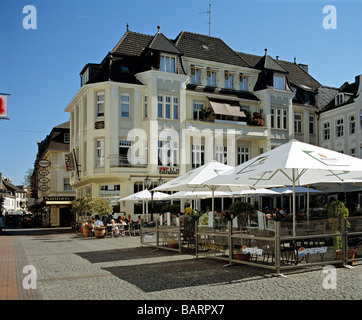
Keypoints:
pixel 71 267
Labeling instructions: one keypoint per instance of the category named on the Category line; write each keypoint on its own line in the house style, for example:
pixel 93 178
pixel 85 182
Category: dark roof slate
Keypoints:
pixel 208 48
pixel 161 43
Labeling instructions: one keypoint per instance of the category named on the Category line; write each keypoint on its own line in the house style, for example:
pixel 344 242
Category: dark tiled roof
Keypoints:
pixel 297 75
pixel 132 43
pixel 267 62
pixel 208 48
pixel 161 43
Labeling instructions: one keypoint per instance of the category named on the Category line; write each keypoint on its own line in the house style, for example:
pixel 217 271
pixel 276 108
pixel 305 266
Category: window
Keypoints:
pixel 112 190
pixel 195 75
pixel 145 107
pixel 352 152
pixel 278 118
pixel 211 78
pixel 243 154
pixel 66 137
pixel 168 107
pixel 85 77
pixel 243 83
pixel 279 82
pixel 100 152
pixel 124 146
pixel 100 104
pixel 168 153
pixel 326 131
pixel 339 128
pixel 66 185
pixel 298 123
pixel 221 154
pixel 339 99
pixel 352 124
pixel 311 125
pixel 197 109
pixel 160 106
pixel 198 155
pixel 168 64
pixel 125 106
pixel 229 80
pixel 175 108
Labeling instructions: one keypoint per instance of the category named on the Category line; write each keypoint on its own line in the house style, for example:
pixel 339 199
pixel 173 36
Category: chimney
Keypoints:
pixel 304 67
pixel 359 84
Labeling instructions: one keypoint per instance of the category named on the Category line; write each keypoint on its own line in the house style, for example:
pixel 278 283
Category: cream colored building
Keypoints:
pixel 157 108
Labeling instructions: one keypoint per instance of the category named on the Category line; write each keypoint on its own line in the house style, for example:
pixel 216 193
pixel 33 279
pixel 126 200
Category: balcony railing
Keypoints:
pixel 124 161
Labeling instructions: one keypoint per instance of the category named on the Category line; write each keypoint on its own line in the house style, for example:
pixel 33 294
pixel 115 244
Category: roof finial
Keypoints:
pixel 127 27
pixel 158 27
pixel 266 51
pixel 295 59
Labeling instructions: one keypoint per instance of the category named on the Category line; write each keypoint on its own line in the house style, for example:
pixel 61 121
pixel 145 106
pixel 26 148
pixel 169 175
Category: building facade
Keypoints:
pixel 50 182
pixel 156 108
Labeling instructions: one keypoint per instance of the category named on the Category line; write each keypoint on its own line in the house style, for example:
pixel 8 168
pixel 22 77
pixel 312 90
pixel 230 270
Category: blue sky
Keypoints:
pixel 40 68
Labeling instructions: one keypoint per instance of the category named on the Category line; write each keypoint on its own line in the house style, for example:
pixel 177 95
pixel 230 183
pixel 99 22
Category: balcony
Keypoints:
pixel 125 161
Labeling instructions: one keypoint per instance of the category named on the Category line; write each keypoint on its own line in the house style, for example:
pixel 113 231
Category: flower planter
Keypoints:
pixel 80 229
pixel 86 231
pixel 172 245
pixel 350 255
pixel 242 256
pixel 99 233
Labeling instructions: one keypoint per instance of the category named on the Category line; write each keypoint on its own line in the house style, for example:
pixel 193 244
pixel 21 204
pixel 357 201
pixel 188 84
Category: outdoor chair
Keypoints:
pixel 136 229
pixel 126 230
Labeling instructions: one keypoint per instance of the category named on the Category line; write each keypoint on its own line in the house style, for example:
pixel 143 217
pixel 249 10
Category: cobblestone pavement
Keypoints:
pixel 71 267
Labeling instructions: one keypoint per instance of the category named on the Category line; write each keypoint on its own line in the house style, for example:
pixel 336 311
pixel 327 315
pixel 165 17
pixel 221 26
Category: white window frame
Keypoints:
pixel 167 107
pixel 339 127
pixel 229 80
pixel 339 99
pixel 243 82
pixel 100 153
pixel 243 154
pixel 168 63
pixel 221 153
pixel 196 75
pixel 311 124
pixel 100 105
pixel 352 124
pixel 211 78
pixel 278 118
pixel 160 106
pixel 198 155
pixel 125 104
pixel 278 82
pixel 298 125
pixel 197 106
pixel 326 131
pixel 175 107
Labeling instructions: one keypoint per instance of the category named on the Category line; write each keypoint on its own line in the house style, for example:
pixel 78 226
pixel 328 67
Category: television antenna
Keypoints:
pixel 208 12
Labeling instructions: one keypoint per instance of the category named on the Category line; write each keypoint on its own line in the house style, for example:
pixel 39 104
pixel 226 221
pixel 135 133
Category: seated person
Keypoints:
pixel 98 222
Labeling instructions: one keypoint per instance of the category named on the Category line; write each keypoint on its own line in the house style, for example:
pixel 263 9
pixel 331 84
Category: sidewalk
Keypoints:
pixel 8 276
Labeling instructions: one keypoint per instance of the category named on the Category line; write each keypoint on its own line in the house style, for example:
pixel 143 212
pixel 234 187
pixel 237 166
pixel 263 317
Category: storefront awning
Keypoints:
pixel 227 107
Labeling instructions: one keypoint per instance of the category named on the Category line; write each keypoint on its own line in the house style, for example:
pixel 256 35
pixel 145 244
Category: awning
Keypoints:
pixel 227 107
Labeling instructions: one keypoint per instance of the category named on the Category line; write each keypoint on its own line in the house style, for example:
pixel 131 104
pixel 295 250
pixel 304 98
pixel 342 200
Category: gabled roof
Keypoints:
pixel 208 48
pixel 161 43
pixel 268 63
pixel 132 44
pixel 297 75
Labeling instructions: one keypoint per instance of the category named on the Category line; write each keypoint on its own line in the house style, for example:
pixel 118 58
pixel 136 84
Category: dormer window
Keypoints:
pixel 211 78
pixel 85 77
pixel 168 64
pixel 279 82
pixel 229 80
pixel 244 82
pixel 195 75
pixel 339 99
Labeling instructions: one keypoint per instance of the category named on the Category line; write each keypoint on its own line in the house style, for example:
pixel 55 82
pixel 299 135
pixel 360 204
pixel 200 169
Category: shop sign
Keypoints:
pixel 257 251
pixel 44 163
pixel 44 172
pixel 303 251
pixel 168 170
pixel 44 187
pixel 43 180
pixel 99 125
pixel 56 198
pixel 69 162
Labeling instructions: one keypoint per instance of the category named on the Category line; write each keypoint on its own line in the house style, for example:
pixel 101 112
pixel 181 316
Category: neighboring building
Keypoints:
pixel 157 108
pixel 341 119
pixel 50 182
pixel 15 198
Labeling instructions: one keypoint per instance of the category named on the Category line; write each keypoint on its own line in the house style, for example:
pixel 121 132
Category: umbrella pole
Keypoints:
pixel 294 204
pixel 308 204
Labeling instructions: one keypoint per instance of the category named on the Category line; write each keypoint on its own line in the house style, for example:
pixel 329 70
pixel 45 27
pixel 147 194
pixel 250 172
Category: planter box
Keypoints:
pixel 99 233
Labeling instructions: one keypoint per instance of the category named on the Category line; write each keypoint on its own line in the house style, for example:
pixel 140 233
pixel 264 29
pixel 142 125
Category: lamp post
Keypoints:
pixel 148 185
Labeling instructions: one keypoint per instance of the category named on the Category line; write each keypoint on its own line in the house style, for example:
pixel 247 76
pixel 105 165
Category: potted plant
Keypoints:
pixel 100 206
pixel 99 232
pixel 86 229
pixel 242 211
pixel 337 212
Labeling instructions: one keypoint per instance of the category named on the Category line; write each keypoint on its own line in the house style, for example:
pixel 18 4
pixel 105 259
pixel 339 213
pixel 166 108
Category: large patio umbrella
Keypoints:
pixel 146 196
pixel 293 164
pixel 195 179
